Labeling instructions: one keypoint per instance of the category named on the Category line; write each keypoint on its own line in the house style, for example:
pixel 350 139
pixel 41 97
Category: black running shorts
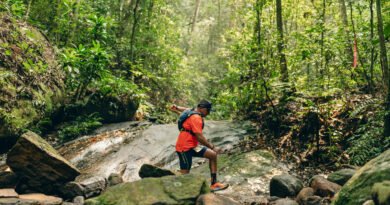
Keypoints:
pixel 185 158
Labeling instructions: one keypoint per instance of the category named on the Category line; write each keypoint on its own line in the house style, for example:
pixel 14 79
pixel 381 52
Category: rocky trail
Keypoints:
pixel 136 163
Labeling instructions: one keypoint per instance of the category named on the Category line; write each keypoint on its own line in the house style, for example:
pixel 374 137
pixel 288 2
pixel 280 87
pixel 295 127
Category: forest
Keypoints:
pixel 312 76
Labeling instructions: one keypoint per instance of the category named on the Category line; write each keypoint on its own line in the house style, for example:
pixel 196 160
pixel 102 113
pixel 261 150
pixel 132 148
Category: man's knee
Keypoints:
pixel 210 154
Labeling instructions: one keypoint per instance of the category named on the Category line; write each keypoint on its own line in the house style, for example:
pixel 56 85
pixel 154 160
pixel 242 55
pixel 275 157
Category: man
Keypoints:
pixel 191 133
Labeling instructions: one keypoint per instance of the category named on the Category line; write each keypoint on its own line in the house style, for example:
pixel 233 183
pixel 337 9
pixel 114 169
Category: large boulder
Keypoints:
pixel 358 189
pixel 183 189
pixel 213 199
pixel 323 187
pixel 381 193
pixel 341 176
pixel 31 82
pixel 285 185
pixel 39 165
pixel 148 170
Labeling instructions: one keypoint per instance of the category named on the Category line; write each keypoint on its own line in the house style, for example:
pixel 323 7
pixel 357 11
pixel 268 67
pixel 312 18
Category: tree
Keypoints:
pixel 348 47
pixel 281 45
pixel 385 67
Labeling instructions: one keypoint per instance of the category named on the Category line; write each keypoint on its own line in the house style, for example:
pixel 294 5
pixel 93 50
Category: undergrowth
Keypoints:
pixel 367 141
pixel 82 125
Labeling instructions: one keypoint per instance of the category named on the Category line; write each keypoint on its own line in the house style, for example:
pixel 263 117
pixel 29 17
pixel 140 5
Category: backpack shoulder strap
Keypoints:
pixel 184 116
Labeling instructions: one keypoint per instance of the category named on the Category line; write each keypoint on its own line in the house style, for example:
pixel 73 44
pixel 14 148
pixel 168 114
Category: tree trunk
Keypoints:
pixel 193 24
pixel 74 22
pixel 371 83
pixel 355 49
pixel 385 68
pixel 134 30
pixel 323 19
pixel 281 46
pixel 196 13
pixel 28 10
pixel 348 46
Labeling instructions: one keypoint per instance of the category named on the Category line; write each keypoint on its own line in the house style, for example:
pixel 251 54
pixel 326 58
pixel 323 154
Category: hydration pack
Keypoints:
pixel 184 116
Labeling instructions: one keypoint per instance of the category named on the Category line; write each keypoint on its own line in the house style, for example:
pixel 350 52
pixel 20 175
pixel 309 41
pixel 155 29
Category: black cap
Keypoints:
pixel 205 104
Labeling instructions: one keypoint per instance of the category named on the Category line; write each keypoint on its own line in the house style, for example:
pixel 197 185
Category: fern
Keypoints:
pixel 363 107
pixel 368 142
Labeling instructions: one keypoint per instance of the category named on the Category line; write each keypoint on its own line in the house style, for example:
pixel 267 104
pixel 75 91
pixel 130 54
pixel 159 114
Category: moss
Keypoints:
pixel 381 193
pixel 182 189
pixel 241 164
pixel 31 81
pixel 358 189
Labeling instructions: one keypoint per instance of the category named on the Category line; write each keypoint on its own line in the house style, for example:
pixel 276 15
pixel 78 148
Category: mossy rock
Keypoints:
pixel 341 176
pixel 31 81
pixel 183 189
pixel 358 189
pixel 381 193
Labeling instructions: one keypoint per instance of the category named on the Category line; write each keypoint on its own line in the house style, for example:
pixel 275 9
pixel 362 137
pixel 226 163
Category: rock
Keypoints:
pixel 27 92
pixel 304 194
pixel 358 189
pixel 39 164
pixel 8 193
pixel 285 201
pixel 112 108
pixel 78 200
pixel 183 189
pixel 41 199
pixel 93 185
pixel 381 193
pixel 17 201
pixel 8 179
pixel 32 199
pixel 67 203
pixel 71 190
pixel 273 198
pixel 285 185
pixel 323 187
pixel 253 200
pixel 213 199
pixel 313 200
pixel 148 170
pixel 114 179
pixel 341 176
pixel 244 171
pixel 85 185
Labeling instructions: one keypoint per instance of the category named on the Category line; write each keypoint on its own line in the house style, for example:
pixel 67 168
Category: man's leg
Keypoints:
pixel 184 171
pixel 212 156
pixel 185 160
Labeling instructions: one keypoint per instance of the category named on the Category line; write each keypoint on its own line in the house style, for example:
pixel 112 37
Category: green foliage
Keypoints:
pixel 368 141
pixel 14 7
pixel 85 65
pixel 82 125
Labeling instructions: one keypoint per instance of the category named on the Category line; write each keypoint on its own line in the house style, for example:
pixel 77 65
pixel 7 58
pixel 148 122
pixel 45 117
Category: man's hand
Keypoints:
pixel 173 107
pixel 217 150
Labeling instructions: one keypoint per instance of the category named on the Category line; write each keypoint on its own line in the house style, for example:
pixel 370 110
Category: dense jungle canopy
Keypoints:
pixel 72 65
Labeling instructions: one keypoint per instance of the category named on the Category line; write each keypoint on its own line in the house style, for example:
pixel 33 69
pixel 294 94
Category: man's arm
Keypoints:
pixel 178 109
pixel 206 143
